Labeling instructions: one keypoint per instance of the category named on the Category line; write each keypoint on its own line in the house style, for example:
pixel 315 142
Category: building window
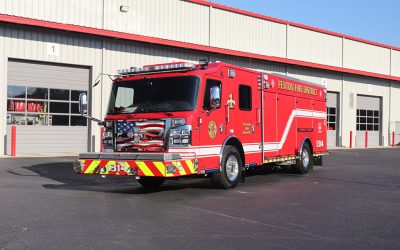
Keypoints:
pixel 331 118
pixel 368 120
pixel 244 97
pixel 43 106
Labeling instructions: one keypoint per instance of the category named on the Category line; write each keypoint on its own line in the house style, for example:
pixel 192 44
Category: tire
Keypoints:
pixel 151 182
pixel 306 161
pixel 231 169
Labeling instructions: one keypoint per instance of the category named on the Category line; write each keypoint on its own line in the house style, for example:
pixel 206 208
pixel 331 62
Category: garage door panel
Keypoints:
pixel 45 136
pixel 332 118
pixel 368 118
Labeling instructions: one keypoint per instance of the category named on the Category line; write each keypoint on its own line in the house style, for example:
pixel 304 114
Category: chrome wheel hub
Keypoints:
pixel 232 168
pixel 305 158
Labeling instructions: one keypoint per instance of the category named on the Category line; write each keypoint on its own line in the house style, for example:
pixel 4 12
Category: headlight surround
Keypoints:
pixel 176 122
pixel 108 134
pixel 180 136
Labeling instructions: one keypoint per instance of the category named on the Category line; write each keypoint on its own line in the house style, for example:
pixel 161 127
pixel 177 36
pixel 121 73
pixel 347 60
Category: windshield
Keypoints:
pixel 154 95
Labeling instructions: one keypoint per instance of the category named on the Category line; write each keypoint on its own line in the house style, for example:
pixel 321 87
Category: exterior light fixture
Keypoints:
pixel 124 8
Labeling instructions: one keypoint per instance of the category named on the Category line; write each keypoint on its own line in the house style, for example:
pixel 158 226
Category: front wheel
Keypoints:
pixel 305 163
pixel 151 182
pixel 231 168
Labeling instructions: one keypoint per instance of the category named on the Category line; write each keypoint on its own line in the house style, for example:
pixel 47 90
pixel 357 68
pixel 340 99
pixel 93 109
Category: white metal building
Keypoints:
pixel 50 50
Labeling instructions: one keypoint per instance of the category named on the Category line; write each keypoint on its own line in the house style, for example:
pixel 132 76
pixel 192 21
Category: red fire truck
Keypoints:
pixel 216 119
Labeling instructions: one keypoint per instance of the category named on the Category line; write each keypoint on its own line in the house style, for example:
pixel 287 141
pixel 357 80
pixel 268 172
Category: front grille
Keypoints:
pixel 147 135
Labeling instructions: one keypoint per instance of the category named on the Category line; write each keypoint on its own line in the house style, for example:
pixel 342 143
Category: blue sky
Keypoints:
pixel 375 20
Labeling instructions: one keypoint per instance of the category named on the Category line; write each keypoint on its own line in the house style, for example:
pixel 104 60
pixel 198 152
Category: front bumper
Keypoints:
pixel 156 165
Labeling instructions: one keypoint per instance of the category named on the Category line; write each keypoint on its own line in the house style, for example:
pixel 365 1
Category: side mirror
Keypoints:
pixel 83 103
pixel 215 97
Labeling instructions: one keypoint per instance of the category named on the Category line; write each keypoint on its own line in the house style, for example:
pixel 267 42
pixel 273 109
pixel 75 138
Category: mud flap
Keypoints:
pixel 243 175
pixel 318 161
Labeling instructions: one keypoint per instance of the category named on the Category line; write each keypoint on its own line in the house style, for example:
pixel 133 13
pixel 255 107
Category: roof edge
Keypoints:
pixel 294 24
pixel 185 45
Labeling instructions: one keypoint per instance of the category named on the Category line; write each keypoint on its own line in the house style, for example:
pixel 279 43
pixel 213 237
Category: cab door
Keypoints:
pixel 248 117
pixel 211 125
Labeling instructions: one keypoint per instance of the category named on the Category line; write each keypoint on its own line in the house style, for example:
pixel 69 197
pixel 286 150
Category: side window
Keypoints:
pixel 210 83
pixel 244 97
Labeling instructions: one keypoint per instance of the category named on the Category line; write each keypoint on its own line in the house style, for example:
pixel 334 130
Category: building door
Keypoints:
pixel 332 109
pixel 42 102
pixel 369 118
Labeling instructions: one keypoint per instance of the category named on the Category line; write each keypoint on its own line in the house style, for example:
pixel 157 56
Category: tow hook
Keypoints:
pixel 77 166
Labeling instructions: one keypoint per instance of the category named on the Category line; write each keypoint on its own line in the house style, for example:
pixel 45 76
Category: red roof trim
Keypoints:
pixel 277 20
pixel 185 45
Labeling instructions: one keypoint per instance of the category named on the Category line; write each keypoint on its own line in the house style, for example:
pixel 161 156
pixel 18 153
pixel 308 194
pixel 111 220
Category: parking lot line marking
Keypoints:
pixel 260 223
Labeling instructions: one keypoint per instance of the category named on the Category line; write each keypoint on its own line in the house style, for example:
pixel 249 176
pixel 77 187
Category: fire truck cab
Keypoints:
pixel 216 119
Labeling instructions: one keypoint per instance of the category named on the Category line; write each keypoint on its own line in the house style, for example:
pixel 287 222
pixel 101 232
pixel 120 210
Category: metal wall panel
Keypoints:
pixel 333 80
pixel 311 46
pixel 395 63
pixel 168 19
pixel 394 124
pixel 365 57
pixel 251 63
pixel 84 13
pixel 122 54
pixel 248 34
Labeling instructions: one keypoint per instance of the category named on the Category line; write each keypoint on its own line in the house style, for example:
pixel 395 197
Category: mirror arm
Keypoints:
pixel 99 122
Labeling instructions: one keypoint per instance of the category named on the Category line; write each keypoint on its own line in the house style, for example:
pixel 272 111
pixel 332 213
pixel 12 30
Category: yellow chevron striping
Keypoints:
pixel 160 166
pixel 143 167
pixel 191 166
pixel 179 167
pixel 92 167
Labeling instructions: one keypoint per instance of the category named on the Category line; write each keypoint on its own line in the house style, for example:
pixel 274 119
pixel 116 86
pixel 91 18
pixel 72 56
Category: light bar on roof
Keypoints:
pixel 157 68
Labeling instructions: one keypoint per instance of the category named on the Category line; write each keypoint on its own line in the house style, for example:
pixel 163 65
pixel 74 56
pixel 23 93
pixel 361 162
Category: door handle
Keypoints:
pixel 258 115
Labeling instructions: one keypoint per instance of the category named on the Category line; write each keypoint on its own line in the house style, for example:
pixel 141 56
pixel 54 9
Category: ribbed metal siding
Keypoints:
pixel 251 63
pixel 395 63
pixel 334 80
pixel 311 46
pixel 249 34
pixel 168 19
pixel 121 54
pixel 394 108
pixel 84 13
pixel 366 57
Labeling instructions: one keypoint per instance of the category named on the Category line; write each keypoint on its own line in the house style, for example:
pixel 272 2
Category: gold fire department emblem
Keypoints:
pixel 212 129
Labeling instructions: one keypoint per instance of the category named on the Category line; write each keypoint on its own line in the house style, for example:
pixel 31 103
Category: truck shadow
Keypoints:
pixel 62 173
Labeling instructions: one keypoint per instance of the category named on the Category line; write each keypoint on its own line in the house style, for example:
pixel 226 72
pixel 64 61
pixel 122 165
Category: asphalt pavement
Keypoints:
pixel 352 202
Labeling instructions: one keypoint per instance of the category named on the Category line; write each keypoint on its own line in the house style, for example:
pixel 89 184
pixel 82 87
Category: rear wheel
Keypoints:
pixel 231 169
pixel 151 182
pixel 305 163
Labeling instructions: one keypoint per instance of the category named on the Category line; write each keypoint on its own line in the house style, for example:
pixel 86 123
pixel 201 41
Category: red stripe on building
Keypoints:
pixel 190 46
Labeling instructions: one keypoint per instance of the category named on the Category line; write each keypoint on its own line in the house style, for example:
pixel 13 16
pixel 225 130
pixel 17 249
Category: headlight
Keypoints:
pixel 180 136
pixel 109 124
pixel 178 122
